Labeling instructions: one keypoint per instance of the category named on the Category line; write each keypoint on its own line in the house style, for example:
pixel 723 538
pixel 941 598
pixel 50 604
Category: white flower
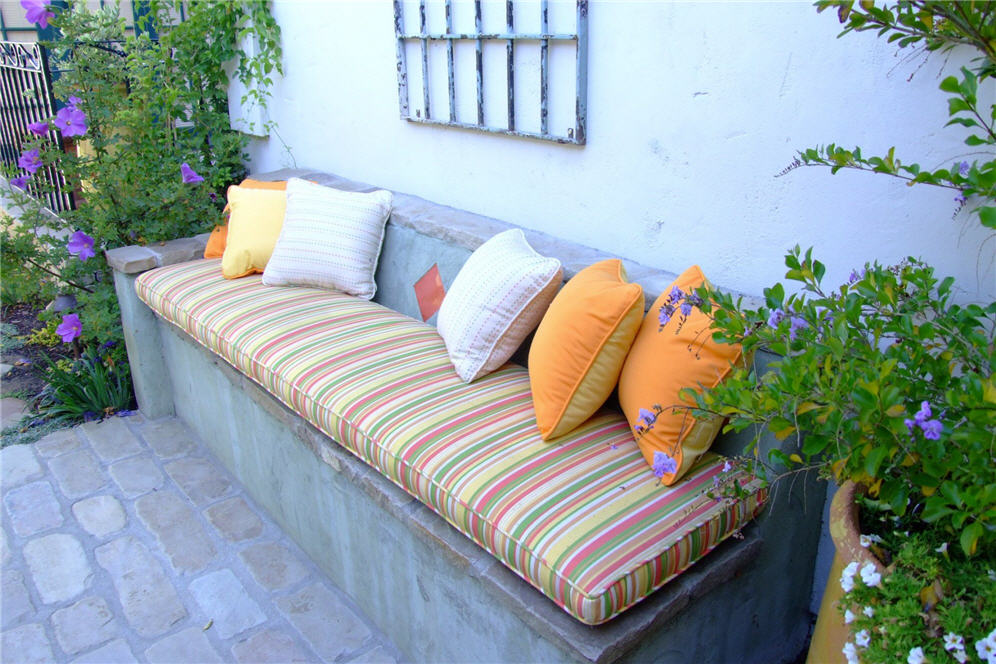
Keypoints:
pixel 942 548
pixel 987 648
pixel 868 611
pixel 850 652
pixel 727 467
pixel 960 655
pixel 870 576
pixel 862 638
pixel 865 541
pixel 992 575
pixel 847 583
pixel 916 656
pixel 852 569
pixel 848 617
pixel 953 641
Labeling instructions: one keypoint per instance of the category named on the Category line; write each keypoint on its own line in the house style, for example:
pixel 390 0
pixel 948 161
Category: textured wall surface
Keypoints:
pixel 693 109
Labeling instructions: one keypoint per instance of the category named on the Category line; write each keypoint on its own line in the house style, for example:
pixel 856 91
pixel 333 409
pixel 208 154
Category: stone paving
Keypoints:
pixel 125 540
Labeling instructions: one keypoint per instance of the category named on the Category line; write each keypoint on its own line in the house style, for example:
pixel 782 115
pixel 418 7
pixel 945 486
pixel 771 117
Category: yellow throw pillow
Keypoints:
pixel 219 236
pixel 660 364
pixel 580 345
pixel 257 215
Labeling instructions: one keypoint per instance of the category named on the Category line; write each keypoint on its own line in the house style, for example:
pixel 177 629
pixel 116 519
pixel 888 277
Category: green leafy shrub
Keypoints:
pixel 91 387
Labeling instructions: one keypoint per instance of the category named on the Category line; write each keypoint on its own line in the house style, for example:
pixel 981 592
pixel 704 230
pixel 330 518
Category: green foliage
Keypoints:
pixel 928 595
pixel 856 366
pixel 150 105
pixel 91 387
pixel 936 26
pixel 9 340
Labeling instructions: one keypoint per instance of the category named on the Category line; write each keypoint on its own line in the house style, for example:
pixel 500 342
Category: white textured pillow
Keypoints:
pixel 330 239
pixel 498 297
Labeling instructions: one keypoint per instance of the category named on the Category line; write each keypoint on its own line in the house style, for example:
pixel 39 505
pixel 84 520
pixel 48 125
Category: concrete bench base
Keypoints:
pixel 435 593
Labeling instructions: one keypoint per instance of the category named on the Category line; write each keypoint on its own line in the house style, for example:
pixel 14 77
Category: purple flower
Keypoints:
pixel 647 418
pixel 796 323
pixel 81 244
pixel 71 121
pixel 30 161
pixel 74 101
pixel 664 317
pixel 686 308
pixel 963 168
pixel 923 414
pixel 21 181
pixel 663 464
pixel 775 318
pixel 213 196
pixel 35 12
pixel 189 176
pixel 70 328
pixel 89 416
pixel 960 199
pixel 932 429
pixel 38 128
pixel 910 424
pixel 676 294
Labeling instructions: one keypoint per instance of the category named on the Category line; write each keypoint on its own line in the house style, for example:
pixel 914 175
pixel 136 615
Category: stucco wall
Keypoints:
pixel 693 108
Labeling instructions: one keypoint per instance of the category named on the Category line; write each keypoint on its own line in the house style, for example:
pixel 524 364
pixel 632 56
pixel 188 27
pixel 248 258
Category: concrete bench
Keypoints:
pixel 439 596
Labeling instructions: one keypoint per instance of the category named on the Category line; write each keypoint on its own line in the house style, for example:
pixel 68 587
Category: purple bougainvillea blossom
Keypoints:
pixel 38 128
pixel 70 328
pixel 36 12
pixel 664 465
pixel 30 161
pixel 71 121
pixel 932 429
pixel 647 418
pixel 796 323
pixel 81 244
pixel 21 181
pixel 189 175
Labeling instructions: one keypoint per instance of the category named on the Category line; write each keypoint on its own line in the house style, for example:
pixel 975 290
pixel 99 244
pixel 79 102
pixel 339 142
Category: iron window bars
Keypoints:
pixel 575 135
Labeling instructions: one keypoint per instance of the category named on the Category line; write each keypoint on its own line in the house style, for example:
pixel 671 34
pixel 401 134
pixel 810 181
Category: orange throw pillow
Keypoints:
pixel 661 363
pixel 580 346
pixel 219 236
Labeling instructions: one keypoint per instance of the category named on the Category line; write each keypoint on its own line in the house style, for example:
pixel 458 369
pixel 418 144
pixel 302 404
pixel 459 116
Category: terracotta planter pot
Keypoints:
pixel 830 633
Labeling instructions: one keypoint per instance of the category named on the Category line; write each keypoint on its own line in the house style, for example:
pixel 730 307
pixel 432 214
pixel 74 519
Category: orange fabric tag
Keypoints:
pixel 429 292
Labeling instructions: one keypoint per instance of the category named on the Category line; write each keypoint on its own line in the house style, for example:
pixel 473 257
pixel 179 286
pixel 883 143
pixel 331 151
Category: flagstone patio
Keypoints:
pixel 125 540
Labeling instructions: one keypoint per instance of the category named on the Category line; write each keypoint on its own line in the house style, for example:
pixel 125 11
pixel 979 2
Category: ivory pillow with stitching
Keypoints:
pixel 330 239
pixel 496 300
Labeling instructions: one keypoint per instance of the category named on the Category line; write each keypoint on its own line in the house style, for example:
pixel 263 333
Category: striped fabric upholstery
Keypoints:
pixel 582 519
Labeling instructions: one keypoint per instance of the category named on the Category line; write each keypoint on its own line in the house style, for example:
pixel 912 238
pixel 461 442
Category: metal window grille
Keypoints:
pixel 425 39
pixel 25 97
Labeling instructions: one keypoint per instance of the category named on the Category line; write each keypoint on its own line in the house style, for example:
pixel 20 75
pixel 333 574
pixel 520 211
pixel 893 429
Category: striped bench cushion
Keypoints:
pixel 582 518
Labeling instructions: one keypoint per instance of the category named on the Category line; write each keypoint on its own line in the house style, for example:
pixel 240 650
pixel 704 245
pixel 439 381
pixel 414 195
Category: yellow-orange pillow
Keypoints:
pixel 219 236
pixel 257 215
pixel 580 346
pixel 660 364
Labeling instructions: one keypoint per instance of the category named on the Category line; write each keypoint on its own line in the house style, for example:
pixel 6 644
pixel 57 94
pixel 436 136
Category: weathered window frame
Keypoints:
pixel 575 135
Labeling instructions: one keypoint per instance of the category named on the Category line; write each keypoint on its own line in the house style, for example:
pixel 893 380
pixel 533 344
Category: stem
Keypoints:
pixel 58 276
pixel 858 167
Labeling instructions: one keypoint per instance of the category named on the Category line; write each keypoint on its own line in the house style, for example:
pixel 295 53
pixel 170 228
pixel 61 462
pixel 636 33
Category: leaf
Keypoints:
pixel 970 538
pixel 987 215
pixel 874 460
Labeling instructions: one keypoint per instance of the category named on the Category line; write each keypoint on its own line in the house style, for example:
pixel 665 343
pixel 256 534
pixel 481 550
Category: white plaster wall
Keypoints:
pixel 693 108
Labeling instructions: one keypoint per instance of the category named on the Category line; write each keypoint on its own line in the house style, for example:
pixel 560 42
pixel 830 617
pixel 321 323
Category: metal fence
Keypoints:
pixel 25 97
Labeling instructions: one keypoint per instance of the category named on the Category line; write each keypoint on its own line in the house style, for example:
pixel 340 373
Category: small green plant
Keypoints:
pixel 91 387
pixel 45 336
pixel 9 339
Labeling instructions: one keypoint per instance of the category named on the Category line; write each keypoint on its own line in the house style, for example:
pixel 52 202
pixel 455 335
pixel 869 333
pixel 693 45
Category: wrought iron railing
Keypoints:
pixel 26 97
